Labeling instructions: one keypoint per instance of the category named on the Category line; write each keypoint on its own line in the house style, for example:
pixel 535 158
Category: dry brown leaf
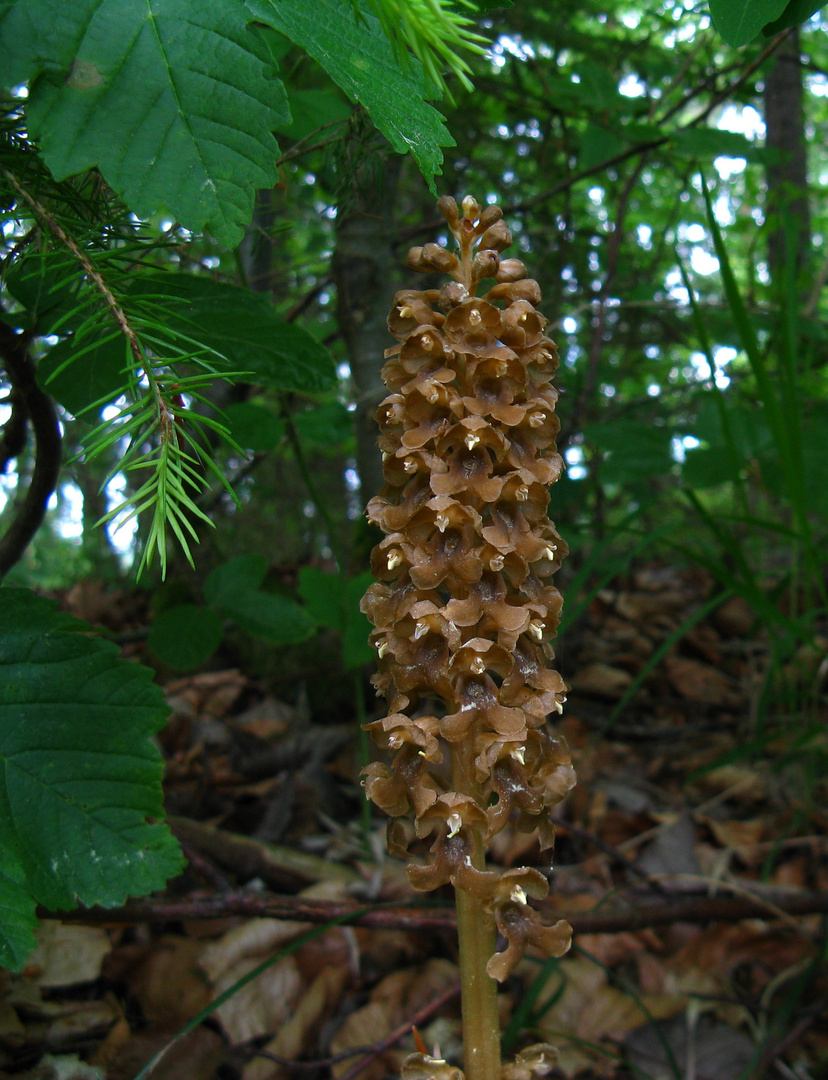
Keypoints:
pixel 710 1050
pixel 397 998
pixel 718 951
pixel 367 1027
pixel 703 683
pixel 66 954
pixel 12 1030
pixel 260 1006
pixel 165 978
pixel 118 1035
pixel 611 949
pixel 602 680
pixel 672 850
pixel 74 1020
pixel 195 1056
pixel 590 1010
pixel 62 1067
pixel 295 1036
pixel 739 834
pixel 792 873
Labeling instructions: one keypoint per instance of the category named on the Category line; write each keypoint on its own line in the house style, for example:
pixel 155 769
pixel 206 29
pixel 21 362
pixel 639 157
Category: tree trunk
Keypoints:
pixel 787 201
pixel 366 276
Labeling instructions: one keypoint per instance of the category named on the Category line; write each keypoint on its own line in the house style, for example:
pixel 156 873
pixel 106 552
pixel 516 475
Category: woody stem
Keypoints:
pixel 476 933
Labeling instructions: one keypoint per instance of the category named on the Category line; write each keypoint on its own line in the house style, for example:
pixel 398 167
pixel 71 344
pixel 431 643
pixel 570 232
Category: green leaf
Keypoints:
pixel 240 574
pixel 333 600
pixel 795 13
pixel 233 588
pixel 597 145
pixel 272 618
pixel 725 453
pixel 17 920
pixel 244 328
pixel 740 21
pixel 45 283
pixel 329 425
pixel 359 58
pixel 312 110
pixel 599 88
pixel 78 381
pixel 635 450
pixel 185 636
pixel 174 102
pixel 228 323
pixel 80 776
pixel 705 142
pixel 253 426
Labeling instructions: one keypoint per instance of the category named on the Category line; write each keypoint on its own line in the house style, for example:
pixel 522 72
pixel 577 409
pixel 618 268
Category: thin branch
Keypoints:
pixel 370 1053
pixel 625 915
pixel 419 1019
pixel 40 410
pixel 571 179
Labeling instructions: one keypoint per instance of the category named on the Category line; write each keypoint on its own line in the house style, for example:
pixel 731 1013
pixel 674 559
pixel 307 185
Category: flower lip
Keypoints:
pixel 472 323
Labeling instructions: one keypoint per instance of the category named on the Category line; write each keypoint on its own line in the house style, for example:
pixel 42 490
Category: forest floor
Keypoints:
pixel 692 861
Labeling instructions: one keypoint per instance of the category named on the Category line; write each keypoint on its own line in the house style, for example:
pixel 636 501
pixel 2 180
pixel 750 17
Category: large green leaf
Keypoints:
pixel 230 326
pixel 253 426
pixel 45 283
pixel 77 381
pixel 314 109
pixel 333 600
pixel 705 142
pixel 358 57
pixel 795 13
pixel 328 425
pixel 634 450
pixel 233 588
pixel 185 636
pixel 245 328
pixel 175 102
pixel 80 777
pixel 740 21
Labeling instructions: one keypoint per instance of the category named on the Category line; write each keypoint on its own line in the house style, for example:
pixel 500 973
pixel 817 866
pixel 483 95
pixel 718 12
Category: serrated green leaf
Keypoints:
pixel 359 58
pixel 174 102
pixel 80 777
pixel 740 21
pixel 17 919
pixel 185 636
pixel 253 426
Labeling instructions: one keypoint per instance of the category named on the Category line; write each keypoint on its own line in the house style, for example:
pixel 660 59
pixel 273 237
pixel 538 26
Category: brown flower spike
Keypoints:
pixel 464 606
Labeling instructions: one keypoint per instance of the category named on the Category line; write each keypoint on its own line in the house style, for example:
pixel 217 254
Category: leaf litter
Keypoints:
pixel 683 799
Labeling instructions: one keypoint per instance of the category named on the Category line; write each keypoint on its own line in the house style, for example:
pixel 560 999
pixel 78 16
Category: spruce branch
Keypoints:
pixel 435 32
pixel 163 435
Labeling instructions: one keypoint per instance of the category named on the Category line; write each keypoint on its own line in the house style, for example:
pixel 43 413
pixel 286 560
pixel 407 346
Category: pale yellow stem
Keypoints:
pixel 476 938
